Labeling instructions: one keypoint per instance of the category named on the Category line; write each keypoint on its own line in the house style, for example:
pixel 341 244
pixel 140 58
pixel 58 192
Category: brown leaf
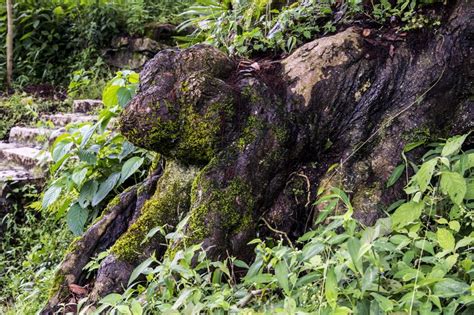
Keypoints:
pixel 256 66
pixel 366 32
pixel 77 289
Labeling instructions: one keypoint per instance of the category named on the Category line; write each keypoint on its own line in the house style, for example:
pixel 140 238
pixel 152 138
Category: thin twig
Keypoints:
pixel 278 232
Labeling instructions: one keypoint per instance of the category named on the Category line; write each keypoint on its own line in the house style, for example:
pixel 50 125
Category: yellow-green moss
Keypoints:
pixel 170 199
pixel 58 281
pixel 233 206
pixel 200 133
pixel 249 134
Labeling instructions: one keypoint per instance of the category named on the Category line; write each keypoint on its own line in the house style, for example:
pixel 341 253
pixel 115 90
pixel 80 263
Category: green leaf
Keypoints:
pixel 455 226
pixel 87 156
pixel 281 273
pixel 241 264
pixel 449 288
pixel 76 218
pixel 133 77
pixel 79 176
pixel 397 172
pixel 410 146
pixel 60 149
pixel 86 133
pixel 445 239
pixel 353 246
pixel 109 96
pixel 385 304
pixel 407 213
pixel 105 188
pixel 136 308
pixel 111 299
pixel 185 294
pixel 330 288
pixel 130 167
pixel 260 278
pixel 424 174
pixel 123 96
pixel 453 145
pixel 368 279
pixel 141 268
pixel 123 309
pixel 50 196
pixel 454 185
pixel 88 191
pixel 469 189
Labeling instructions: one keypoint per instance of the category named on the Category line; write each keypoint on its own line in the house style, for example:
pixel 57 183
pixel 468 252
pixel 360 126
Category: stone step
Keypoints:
pixel 6 145
pixel 26 157
pixel 33 137
pixel 86 106
pixel 63 119
pixel 14 175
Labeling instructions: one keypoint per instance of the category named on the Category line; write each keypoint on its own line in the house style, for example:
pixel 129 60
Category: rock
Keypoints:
pixel 26 157
pixel 61 120
pixel 86 106
pixel 132 53
pixel 162 32
pixel 33 137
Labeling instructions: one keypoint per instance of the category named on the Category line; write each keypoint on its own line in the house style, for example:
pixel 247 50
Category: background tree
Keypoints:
pixel 9 43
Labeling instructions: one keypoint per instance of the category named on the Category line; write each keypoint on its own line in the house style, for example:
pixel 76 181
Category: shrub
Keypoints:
pixel 417 260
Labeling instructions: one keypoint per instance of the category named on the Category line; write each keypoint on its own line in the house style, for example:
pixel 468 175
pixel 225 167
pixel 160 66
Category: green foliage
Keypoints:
pixel 417 260
pixel 87 84
pixel 24 109
pixel 93 162
pixel 247 27
pixel 32 243
pixel 55 38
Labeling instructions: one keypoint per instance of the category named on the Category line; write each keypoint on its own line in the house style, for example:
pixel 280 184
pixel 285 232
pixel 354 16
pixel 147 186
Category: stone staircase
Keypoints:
pixel 22 157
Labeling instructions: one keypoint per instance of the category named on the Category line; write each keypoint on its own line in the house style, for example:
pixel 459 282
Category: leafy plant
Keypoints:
pixel 417 260
pixel 92 162
pixel 249 27
pixel 31 244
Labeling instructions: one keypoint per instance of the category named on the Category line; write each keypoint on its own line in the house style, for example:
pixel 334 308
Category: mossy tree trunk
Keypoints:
pixel 252 144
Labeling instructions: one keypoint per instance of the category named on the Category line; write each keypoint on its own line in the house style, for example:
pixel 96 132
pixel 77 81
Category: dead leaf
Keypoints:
pixel 366 32
pixel 256 66
pixel 77 289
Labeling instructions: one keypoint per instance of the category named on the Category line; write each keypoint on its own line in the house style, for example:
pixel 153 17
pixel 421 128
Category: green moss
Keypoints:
pixel 233 206
pixel 73 246
pixel 171 199
pixel 253 126
pixel 200 133
pixel 58 281
pixel 164 134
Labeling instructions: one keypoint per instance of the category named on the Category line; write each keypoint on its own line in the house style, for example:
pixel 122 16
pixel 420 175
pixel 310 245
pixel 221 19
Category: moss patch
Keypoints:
pixel 171 199
pixel 232 208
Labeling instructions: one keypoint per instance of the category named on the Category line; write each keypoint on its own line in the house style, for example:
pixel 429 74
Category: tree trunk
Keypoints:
pixel 9 44
pixel 248 147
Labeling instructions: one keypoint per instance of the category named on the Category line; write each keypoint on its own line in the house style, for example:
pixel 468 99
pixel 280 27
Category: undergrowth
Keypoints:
pixel 250 27
pixel 32 243
pixel 416 260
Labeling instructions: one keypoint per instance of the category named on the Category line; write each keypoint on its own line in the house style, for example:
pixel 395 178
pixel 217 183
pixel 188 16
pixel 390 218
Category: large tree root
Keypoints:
pixel 257 142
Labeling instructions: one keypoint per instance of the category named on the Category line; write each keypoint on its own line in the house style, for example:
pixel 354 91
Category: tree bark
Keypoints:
pixel 9 43
pixel 256 142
